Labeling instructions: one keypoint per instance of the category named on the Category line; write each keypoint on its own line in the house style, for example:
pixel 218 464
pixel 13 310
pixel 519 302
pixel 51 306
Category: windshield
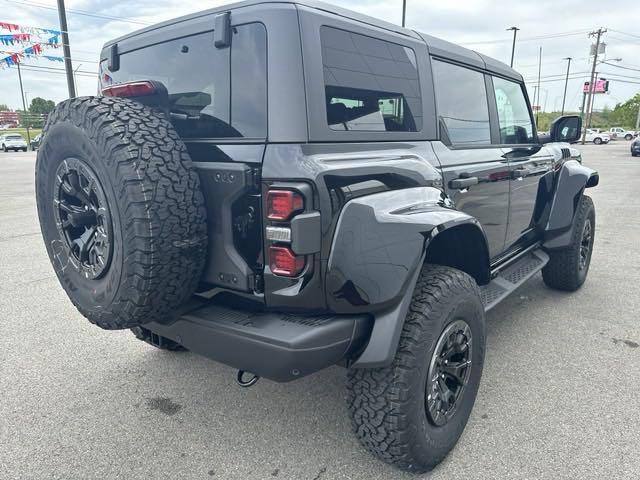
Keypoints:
pixel 14 137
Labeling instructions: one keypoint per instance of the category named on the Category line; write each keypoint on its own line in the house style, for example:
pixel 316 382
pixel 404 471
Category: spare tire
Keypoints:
pixel 121 210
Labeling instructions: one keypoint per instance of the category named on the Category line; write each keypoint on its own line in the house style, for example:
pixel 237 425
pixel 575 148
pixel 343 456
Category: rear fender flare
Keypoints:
pixel 377 254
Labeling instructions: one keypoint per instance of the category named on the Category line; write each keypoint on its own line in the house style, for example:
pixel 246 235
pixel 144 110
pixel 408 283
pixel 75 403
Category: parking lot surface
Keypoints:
pixel 559 399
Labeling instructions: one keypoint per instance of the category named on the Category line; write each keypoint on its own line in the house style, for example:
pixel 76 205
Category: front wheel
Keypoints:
pixel 411 413
pixel 567 268
pixel 5 149
pixel 597 141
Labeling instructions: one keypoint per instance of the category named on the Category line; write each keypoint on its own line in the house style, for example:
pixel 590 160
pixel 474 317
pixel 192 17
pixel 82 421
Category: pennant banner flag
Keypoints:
pixel 12 27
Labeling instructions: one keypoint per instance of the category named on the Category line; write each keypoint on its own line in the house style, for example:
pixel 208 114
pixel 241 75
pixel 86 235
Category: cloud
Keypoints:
pixel 481 24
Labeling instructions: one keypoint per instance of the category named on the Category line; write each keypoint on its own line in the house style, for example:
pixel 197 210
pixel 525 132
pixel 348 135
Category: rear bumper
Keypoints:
pixel 277 346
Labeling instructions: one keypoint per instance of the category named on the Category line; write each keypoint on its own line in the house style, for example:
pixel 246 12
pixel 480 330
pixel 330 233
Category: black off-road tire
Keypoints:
pixel 628 137
pixel 564 270
pixel 388 405
pixel 136 169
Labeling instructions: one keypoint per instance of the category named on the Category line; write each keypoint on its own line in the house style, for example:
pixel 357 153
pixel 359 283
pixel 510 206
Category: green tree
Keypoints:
pixel 42 106
pixel 31 120
pixel 3 107
pixel 625 114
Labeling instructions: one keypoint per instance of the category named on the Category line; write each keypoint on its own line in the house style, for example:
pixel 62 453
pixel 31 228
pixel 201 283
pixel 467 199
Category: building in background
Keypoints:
pixel 10 119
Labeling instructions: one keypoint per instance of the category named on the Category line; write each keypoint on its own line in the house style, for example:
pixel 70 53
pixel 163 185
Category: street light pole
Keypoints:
pixel 404 11
pixel 513 47
pixel 566 82
pixel 24 105
pixel 75 81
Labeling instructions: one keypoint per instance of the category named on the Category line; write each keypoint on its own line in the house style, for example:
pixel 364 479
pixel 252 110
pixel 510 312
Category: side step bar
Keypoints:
pixel 277 346
pixel 512 277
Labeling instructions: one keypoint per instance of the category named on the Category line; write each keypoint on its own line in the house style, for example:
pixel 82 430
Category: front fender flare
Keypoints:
pixel 378 250
pixel 572 180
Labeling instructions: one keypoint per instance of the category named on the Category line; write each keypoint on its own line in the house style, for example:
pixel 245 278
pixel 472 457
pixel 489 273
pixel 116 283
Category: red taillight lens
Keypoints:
pixel 132 89
pixel 283 261
pixel 282 204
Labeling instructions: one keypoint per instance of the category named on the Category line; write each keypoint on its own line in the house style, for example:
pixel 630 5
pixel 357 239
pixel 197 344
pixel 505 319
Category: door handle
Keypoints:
pixel 521 173
pixel 463 182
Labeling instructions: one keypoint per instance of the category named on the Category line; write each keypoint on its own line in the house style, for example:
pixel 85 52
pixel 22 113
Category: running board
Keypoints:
pixel 512 277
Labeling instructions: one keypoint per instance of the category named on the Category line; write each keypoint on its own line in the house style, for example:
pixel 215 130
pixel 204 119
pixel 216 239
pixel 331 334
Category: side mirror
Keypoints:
pixel 564 129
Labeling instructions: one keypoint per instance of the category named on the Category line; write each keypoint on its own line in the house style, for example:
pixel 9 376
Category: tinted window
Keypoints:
pixel 370 84
pixel 198 78
pixel 461 100
pixel 249 79
pixel 515 121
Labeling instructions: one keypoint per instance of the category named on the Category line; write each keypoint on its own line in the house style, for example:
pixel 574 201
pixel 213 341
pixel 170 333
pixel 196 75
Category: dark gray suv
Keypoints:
pixel 286 186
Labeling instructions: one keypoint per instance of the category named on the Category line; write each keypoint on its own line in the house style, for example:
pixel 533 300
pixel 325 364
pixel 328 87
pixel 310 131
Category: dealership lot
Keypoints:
pixel 560 396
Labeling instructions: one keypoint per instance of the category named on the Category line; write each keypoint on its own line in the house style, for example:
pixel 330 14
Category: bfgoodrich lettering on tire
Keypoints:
pixel 412 413
pixel 121 211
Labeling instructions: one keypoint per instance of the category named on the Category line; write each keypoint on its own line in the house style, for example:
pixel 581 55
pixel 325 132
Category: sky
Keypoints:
pixel 560 27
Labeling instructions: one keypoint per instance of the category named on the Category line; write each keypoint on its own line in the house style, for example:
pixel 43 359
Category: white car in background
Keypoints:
pixel 13 141
pixel 597 137
pixel 619 132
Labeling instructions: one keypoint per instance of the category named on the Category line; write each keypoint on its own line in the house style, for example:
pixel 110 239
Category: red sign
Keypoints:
pixel 601 86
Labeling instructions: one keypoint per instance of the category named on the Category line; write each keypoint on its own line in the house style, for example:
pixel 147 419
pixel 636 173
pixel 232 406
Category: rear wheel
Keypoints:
pixel 567 268
pixel 628 136
pixel 412 412
pixel 597 140
pixel 121 211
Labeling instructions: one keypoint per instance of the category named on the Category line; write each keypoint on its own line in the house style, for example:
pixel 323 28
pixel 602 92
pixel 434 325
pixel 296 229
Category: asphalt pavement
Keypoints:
pixel 559 399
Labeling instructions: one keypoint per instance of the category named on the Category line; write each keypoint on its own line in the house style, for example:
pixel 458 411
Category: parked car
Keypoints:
pixel 13 141
pixel 619 132
pixel 354 221
pixel 35 142
pixel 635 147
pixel 597 137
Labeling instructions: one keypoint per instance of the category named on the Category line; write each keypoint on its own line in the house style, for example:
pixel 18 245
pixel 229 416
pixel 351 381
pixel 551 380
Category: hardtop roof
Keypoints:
pixel 436 45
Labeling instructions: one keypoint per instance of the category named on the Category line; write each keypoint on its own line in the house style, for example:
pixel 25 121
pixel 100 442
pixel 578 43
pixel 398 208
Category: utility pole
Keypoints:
pixel 62 14
pixel 566 82
pixel 404 11
pixel 598 35
pixel 638 119
pixel 24 106
pixel 513 47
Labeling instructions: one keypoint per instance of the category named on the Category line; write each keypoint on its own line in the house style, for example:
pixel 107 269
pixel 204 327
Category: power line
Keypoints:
pixel 525 39
pixel 79 12
pixel 620 66
pixel 625 33
pixel 41 69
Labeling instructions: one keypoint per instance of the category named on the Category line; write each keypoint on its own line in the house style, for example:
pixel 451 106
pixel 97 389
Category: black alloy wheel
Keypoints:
pixel 83 218
pixel 585 244
pixel 449 372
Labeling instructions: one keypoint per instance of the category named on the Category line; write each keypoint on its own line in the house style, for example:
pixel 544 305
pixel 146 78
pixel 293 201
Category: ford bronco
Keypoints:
pixel 285 186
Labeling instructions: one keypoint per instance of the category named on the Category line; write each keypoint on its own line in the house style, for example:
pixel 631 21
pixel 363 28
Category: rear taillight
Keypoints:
pixel 282 261
pixel 131 89
pixel 282 204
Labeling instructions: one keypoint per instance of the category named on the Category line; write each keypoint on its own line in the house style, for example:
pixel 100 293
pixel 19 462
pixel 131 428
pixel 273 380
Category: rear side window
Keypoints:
pixel 370 84
pixel 461 99
pixel 516 126
pixel 198 77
